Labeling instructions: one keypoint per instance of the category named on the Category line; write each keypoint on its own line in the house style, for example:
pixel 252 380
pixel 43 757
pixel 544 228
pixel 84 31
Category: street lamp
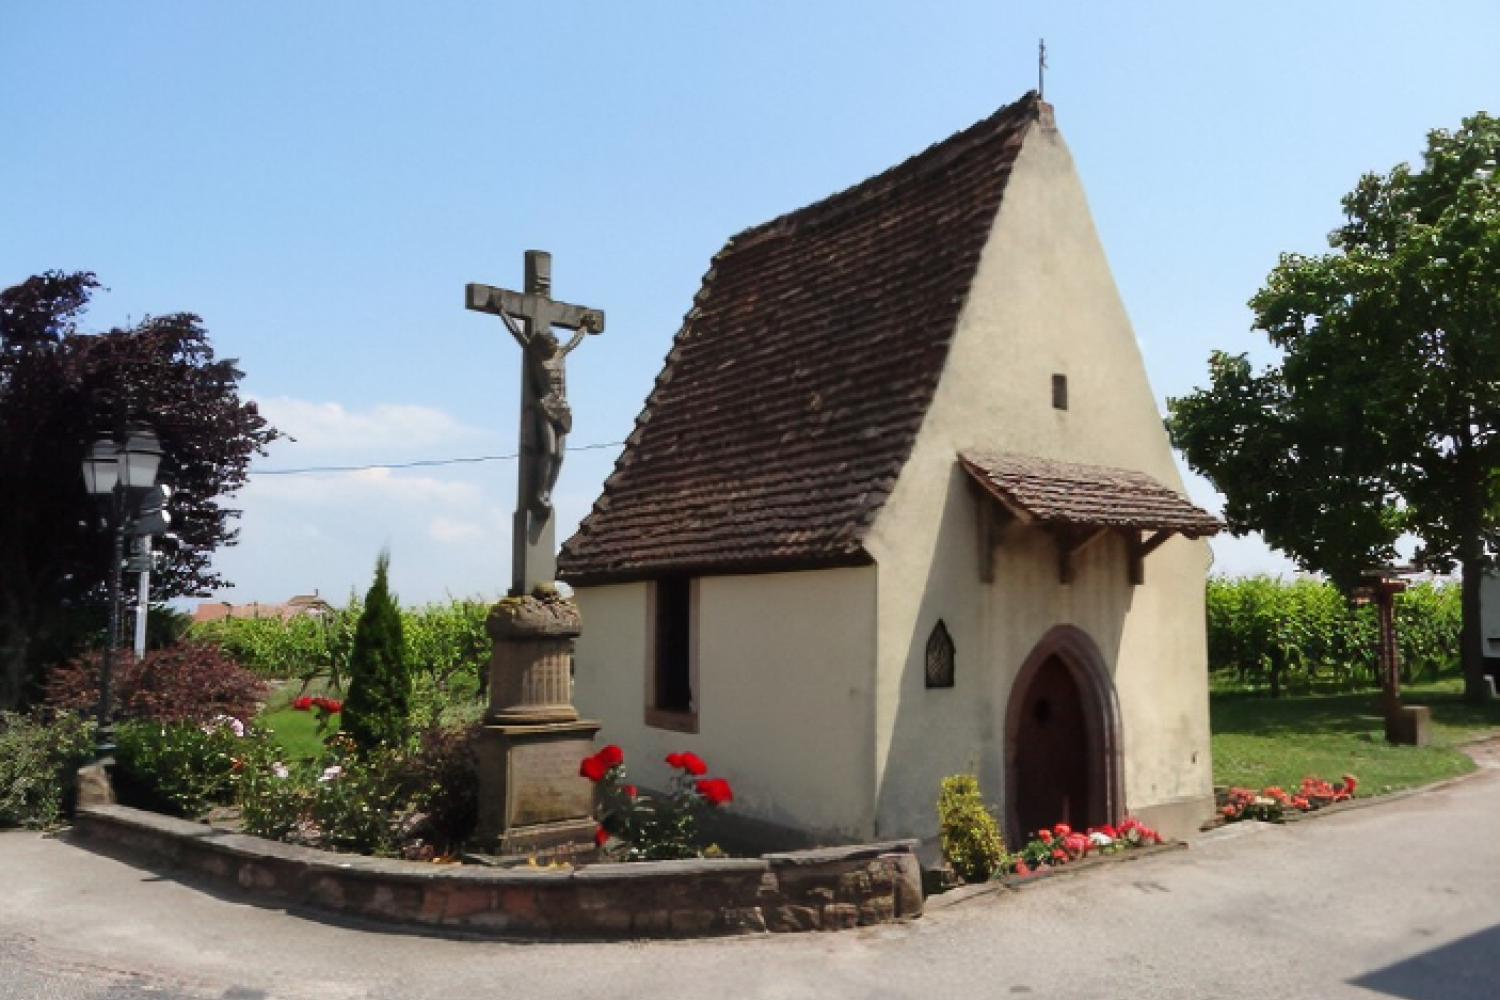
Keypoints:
pixel 117 476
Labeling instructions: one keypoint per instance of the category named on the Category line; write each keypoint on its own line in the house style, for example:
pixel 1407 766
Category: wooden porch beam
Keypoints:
pixel 1139 548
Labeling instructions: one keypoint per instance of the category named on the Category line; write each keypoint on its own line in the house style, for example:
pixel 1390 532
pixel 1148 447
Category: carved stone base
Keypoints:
pixel 531 660
pixel 531 796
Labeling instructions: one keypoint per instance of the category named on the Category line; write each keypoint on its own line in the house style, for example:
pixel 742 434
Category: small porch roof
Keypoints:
pixel 1050 492
pixel 1079 504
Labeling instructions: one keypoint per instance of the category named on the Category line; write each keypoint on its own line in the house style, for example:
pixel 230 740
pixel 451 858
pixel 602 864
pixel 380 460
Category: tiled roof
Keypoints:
pixel 1055 492
pixel 793 392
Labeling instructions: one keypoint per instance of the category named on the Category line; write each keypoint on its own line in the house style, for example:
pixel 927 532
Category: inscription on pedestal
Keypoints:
pixel 544 783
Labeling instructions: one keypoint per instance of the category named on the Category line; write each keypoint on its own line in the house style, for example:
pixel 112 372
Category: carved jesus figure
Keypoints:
pixel 551 417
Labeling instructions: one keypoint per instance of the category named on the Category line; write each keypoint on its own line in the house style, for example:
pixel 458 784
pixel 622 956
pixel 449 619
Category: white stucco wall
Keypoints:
pixel 785 693
pixel 1043 303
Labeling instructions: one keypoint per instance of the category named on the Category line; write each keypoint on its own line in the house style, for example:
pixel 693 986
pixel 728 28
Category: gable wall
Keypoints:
pixel 1043 302
pixel 786 670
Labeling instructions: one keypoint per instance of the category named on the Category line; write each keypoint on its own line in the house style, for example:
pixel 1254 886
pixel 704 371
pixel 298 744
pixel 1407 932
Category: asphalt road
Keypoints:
pixel 1396 899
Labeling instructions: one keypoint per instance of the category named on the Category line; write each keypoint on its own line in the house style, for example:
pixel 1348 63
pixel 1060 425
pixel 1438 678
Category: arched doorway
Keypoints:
pixel 1062 738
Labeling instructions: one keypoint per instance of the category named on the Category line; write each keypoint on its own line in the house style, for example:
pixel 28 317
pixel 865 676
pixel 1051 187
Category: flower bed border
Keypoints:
pixel 824 889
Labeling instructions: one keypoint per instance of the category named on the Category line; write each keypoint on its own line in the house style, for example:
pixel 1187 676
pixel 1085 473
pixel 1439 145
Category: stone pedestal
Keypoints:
pixel 532 799
pixel 1410 726
pixel 531 660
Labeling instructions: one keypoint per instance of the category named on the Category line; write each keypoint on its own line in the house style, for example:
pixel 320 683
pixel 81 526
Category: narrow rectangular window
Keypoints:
pixel 671 701
pixel 1059 392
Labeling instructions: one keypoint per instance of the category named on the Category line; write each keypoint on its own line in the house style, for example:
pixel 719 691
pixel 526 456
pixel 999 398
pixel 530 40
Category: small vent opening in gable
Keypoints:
pixel 940 657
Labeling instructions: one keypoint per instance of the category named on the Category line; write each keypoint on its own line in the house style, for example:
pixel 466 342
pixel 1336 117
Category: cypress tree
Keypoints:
pixel 379 696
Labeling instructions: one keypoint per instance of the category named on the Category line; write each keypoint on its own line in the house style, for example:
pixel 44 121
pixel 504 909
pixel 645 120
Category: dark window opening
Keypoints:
pixel 674 688
pixel 1059 392
pixel 940 657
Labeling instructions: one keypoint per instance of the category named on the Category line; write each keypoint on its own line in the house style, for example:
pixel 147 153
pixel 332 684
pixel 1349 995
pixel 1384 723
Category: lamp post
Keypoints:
pixel 117 475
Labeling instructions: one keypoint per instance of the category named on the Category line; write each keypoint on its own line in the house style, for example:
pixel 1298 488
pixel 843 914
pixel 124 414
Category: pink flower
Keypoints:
pixel 1062 829
pixel 1045 836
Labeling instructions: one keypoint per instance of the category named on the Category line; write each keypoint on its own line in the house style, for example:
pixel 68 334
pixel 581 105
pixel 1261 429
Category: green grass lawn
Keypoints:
pixel 1263 741
pixel 296 731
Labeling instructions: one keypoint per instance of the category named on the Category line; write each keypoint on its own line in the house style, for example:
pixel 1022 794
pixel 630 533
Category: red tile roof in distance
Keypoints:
pixel 1052 492
pixel 794 390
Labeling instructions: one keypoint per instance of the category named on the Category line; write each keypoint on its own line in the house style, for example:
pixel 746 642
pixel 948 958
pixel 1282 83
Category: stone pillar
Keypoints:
pixel 531 660
pixel 532 800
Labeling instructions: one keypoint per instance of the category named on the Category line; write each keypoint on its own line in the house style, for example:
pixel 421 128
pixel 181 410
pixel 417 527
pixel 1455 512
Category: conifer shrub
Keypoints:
pixel 969 835
pixel 378 701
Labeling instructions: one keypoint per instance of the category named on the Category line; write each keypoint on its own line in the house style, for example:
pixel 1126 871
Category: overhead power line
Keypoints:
pixel 418 464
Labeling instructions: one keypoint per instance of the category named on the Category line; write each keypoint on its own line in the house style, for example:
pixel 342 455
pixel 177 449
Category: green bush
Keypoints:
pixel 37 761
pixel 301 646
pixel 1303 635
pixel 378 704
pixel 195 681
pixel 968 833
pixel 180 768
pixel 414 802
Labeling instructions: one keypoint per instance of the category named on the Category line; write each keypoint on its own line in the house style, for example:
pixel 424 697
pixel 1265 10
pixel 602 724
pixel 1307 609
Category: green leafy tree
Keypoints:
pixel 379 697
pixel 1383 416
pixel 60 389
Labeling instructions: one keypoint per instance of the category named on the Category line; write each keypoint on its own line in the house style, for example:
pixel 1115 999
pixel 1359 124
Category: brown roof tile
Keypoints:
pixel 794 390
pixel 1055 492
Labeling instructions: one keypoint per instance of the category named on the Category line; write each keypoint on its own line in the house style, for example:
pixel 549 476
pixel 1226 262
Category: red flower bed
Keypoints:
pixel 637 827
pixel 1271 804
pixel 1063 845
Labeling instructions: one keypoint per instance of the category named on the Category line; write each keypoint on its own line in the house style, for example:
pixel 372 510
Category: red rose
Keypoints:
pixel 1045 836
pixel 715 790
pixel 592 768
pixel 631 791
pixel 334 706
pixel 612 756
pixel 1062 829
pixel 693 764
pixel 600 836
pixel 302 704
pixel 674 760
pixel 1059 856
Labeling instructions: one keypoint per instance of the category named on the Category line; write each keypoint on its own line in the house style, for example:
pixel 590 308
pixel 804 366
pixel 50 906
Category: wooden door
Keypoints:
pixel 1051 746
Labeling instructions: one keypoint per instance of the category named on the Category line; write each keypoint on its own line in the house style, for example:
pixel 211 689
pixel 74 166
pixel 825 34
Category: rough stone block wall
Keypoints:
pixel 824 890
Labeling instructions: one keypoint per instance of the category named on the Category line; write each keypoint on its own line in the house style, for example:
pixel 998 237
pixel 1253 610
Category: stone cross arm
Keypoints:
pixel 539 311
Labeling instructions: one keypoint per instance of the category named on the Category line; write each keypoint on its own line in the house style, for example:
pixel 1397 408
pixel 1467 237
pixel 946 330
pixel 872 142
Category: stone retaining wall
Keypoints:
pixel 827 889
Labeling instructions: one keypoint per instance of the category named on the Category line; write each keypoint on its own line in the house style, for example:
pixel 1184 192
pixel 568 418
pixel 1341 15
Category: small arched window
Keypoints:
pixel 940 657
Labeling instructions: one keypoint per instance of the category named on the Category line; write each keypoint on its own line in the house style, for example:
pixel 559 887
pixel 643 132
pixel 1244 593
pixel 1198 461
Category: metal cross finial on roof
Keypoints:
pixel 1041 68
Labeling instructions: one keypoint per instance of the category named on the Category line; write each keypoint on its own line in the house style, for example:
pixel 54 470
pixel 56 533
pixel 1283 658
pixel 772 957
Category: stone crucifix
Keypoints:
pixel 545 416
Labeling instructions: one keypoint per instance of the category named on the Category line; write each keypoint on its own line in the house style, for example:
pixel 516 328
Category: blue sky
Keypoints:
pixel 319 181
